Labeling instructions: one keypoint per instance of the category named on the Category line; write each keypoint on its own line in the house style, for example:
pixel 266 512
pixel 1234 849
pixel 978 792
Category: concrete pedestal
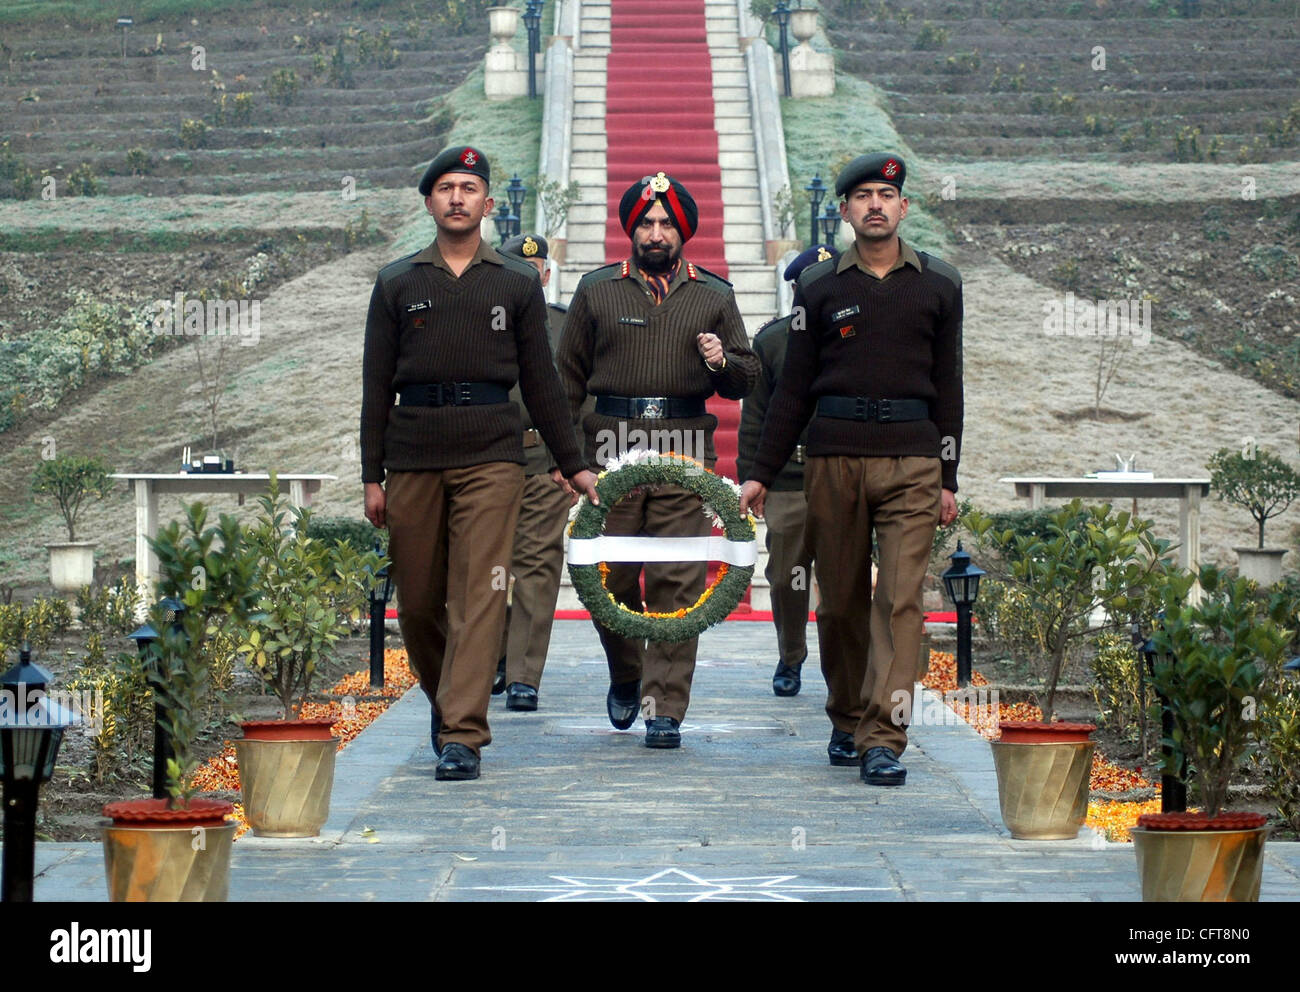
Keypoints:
pixel 812 73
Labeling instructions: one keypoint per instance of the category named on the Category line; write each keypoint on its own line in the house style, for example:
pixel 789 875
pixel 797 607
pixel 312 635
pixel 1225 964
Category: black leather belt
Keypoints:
pixel 453 394
pixel 866 408
pixel 649 407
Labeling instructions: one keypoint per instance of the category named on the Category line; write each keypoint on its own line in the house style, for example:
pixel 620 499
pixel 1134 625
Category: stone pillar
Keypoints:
pixel 812 73
pixel 505 71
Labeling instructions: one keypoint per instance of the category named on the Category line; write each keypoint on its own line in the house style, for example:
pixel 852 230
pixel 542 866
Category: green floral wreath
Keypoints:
pixel 721 501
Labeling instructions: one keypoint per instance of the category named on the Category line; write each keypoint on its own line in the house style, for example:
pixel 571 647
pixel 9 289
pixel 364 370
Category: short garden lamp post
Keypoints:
pixel 962 583
pixel 516 192
pixel 816 191
pixel 503 221
pixel 1173 788
pixel 144 637
pixel 781 14
pixel 380 593
pixel 533 23
pixel 1292 666
pixel 830 223
pixel 30 733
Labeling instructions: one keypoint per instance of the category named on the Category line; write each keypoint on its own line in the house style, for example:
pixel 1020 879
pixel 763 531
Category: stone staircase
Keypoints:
pixel 742 221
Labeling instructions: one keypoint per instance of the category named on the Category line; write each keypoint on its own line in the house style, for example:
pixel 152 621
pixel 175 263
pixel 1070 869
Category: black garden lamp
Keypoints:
pixel 1292 666
pixel 1173 788
pixel 503 221
pixel 830 223
pixel 380 593
pixel 31 730
pixel 962 583
pixel 516 192
pixel 781 14
pixel 144 637
pixel 533 23
pixel 816 191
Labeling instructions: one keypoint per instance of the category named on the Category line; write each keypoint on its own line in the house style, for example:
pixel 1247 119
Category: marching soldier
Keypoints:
pixel 449 330
pixel 789 560
pixel 538 556
pixel 652 338
pixel 879 363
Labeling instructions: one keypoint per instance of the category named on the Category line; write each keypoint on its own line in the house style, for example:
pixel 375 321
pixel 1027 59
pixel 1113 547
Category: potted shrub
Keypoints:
pixel 178 849
pixel 1263 484
pixel 1085 565
pixel 1212 663
pixel 309 592
pixel 70 480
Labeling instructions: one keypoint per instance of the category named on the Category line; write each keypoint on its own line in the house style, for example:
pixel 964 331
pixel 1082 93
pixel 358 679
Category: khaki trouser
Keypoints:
pixel 665 669
pixel 536 563
pixel 789 573
pixel 449 538
pixel 869 644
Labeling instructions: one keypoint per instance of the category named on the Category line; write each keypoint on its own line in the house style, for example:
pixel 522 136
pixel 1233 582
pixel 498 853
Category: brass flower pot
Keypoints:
pixel 168 864
pixel 1043 788
pixel 1200 865
pixel 286 785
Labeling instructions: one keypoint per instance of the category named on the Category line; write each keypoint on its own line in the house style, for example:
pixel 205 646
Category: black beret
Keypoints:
pixel 884 167
pixel 643 193
pixel 817 253
pixel 462 158
pixel 525 246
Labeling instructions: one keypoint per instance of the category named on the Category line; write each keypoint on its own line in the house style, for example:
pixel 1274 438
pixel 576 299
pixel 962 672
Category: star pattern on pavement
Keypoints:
pixel 676 885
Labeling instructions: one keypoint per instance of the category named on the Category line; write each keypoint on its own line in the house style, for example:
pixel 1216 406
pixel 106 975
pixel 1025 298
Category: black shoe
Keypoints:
pixel 841 750
pixel 458 762
pixel 623 703
pixel 435 728
pixel 786 681
pixel 520 697
pixel 662 732
pixel 880 766
pixel 499 683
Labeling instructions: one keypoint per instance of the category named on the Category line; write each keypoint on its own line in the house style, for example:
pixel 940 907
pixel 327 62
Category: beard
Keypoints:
pixel 658 261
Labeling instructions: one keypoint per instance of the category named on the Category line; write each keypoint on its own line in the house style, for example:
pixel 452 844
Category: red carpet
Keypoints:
pixel 659 116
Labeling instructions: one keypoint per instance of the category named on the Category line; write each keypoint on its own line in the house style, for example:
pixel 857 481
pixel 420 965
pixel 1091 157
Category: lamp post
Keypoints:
pixel 962 583
pixel 380 593
pixel 816 191
pixel 502 221
pixel 830 223
pixel 1173 788
pixel 144 637
pixel 29 744
pixel 781 14
pixel 533 22
pixel 515 193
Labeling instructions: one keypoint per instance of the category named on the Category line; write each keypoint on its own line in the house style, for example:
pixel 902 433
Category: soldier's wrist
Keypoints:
pixel 719 368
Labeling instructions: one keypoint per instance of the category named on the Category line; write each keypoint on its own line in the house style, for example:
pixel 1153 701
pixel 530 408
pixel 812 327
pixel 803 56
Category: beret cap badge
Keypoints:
pixel 660 183
pixel 529 247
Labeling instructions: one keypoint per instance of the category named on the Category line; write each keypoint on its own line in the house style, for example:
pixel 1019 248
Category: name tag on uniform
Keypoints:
pixel 422 305
pixel 637 321
pixel 846 312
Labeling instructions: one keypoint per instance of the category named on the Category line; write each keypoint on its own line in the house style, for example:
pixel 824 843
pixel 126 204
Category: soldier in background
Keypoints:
pixel 789 558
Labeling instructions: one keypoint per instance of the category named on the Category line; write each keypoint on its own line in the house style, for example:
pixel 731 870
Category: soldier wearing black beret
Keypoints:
pixel 874 360
pixel 449 331
pixel 789 560
pixel 538 557
pixel 652 338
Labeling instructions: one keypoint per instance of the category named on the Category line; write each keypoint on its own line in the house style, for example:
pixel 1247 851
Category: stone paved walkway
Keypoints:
pixel 749 808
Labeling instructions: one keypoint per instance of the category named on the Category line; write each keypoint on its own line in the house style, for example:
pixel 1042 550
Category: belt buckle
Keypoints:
pixel 864 408
pixel 460 393
pixel 884 412
pixel 652 407
pixel 799 454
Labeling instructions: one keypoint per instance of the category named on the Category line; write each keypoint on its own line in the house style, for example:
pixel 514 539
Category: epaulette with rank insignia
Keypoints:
pixel 775 326
pixel 702 275
pixel 615 270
